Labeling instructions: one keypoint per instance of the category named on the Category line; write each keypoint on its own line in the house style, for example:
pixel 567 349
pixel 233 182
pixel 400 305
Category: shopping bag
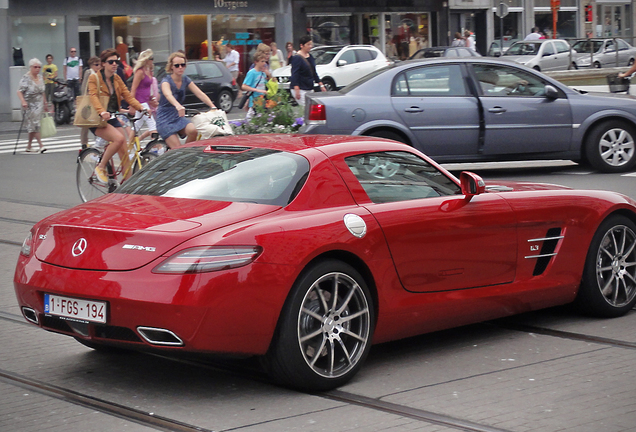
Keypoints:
pixel 86 115
pixel 212 123
pixel 47 126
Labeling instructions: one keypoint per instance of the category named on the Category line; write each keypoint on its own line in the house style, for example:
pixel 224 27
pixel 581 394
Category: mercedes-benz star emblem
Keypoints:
pixel 79 247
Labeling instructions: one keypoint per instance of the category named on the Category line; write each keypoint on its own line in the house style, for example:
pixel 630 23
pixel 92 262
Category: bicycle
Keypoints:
pixel 87 184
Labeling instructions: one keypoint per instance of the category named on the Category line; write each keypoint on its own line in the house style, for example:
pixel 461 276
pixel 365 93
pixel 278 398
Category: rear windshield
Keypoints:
pixel 260 176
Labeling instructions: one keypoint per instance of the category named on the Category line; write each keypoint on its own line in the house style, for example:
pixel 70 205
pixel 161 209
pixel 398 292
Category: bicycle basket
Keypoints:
pixel 616 84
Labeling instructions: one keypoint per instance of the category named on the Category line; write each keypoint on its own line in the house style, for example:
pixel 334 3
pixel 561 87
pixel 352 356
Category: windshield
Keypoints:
pixel 523 48
pixel 587 46
pixel 324 55
pixel 260 176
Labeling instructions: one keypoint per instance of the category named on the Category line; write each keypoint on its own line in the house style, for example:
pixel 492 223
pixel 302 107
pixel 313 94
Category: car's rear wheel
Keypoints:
pixel 597 65
pixel 224 101
pixel 330 85
pixel 630 62
pixel 537 68
pixel 608 286
pixel 383 133
pixel 610 147
pixel 325 329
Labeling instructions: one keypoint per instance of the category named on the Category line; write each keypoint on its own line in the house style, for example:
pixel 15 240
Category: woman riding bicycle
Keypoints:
pixel 171 123
pixel 108 83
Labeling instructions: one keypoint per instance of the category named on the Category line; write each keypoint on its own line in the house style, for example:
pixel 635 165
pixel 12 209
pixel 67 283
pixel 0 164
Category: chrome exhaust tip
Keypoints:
pixel 30 315
pixel 158 336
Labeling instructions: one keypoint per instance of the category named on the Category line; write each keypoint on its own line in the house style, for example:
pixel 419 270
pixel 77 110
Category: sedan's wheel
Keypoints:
pixel 597 65
pixel 325 330
pixel 610 147
pixel 608 287
pixel 630 62
pixel 225 101
pixel 388 135
pixel 573 66
pixel 537 68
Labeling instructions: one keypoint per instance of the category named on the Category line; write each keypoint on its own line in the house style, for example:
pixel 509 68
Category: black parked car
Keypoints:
pixel 210 76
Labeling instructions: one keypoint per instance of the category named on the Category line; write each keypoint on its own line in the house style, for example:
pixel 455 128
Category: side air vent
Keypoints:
pixel 545 246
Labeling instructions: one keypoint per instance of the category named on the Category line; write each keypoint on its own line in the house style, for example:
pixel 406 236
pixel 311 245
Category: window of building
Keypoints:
pixel 330 29
pixel 141 32
pixel 37 36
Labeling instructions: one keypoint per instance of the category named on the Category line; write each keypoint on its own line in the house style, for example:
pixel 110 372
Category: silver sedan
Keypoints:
pixel 603 53
pixel 465 110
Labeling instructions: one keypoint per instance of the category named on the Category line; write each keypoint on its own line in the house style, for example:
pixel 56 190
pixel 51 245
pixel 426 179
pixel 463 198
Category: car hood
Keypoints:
pixel 124 232
pixel 512 186
pixel 518 58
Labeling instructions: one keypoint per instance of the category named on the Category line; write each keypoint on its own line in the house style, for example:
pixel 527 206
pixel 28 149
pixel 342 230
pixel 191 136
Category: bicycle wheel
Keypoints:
pixel 157 147
pixel 146 157
pixel 87 185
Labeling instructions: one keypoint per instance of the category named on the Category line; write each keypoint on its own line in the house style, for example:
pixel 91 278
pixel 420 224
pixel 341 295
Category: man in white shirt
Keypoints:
pixel 72 72
pixel 535 35
pixel 231 60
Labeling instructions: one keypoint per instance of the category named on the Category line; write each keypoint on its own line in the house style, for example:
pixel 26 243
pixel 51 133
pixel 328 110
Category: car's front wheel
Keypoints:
pixel 608 286
pixel 224 101
pixel 325 329
pixel 610 147
pixel 330 85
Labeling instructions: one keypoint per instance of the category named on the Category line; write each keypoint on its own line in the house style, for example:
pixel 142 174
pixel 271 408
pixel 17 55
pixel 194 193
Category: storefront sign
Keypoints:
pixel 230 5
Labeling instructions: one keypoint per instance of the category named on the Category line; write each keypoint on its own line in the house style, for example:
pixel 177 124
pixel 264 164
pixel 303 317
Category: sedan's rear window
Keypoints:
pixel 261 176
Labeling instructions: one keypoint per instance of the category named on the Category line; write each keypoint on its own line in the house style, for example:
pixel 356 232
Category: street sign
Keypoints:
pixel 502 10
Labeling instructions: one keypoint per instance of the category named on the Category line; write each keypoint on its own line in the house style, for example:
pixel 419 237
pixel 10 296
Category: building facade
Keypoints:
pixel 35 28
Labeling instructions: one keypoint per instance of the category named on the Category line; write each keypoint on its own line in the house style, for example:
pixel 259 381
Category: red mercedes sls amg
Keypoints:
pixel 305 250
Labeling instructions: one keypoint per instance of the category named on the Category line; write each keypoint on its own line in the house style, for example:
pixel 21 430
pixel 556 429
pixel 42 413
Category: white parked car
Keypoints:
pixel 541 55
pixel 338 66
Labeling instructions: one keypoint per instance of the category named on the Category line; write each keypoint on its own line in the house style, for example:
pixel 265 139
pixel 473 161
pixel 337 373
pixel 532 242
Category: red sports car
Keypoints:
pixel 307 249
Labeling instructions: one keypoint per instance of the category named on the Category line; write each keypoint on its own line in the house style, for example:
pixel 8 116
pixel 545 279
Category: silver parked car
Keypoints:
pixel 444 51
pixel 542 54
pixel 479 109
pixel 602 53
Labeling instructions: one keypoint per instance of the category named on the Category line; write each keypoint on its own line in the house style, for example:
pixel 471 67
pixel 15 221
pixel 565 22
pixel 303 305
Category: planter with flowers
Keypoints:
pixel 274 114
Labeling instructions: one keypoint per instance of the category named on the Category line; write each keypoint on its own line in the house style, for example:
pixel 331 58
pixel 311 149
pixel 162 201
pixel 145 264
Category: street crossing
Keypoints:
pixel 64 141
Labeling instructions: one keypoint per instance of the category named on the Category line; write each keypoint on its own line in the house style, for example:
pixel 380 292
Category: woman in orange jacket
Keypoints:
pixel 107 83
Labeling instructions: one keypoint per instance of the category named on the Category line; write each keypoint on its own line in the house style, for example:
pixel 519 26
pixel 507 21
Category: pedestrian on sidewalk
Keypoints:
pixel 33 99
pixel 95 64
pixel 72 69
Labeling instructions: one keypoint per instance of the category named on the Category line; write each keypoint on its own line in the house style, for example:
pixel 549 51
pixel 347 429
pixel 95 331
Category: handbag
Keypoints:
pixel 212 123
pixel 85 114
pixel 244 99
pixel 47 126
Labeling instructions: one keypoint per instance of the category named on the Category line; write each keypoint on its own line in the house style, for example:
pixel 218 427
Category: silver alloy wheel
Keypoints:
pixel 616 147
pixel 616 266
pixel 334 325
pixel 225 101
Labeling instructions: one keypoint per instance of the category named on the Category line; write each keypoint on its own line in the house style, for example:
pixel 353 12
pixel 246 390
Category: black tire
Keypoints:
pixel 87 186
pixel 608 286
pixel 330 85
pixel 537 68
pixel 382 133
pixel 225 101
pixel 630 62
pixel 597 65
pixel 342 343
pixel 610 147
pixel 573 66
pixel 62 115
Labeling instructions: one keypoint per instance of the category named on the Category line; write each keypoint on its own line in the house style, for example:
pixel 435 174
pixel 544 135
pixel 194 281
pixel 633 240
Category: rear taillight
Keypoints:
pixel 208 258
pixel 317 113
pixel 27 244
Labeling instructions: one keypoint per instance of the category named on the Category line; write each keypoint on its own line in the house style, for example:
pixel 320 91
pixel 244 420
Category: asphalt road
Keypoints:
pixel 546 371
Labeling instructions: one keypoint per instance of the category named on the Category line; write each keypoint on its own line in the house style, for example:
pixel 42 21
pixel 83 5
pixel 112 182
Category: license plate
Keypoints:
pixel 83 310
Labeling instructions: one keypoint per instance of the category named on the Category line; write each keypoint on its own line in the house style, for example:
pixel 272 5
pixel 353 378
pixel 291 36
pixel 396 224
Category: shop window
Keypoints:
pixel 141 32
pixel 35 37
pixel 330 30
pixel 408 33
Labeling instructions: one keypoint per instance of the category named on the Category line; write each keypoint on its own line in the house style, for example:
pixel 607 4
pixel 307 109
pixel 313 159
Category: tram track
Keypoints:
pixel 167 424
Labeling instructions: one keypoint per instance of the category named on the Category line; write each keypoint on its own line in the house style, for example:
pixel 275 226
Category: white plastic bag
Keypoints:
pixel 212 123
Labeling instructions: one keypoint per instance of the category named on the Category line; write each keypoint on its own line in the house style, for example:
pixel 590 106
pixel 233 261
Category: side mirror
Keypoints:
pixel 471 184
pixel 550 92
pixel 341 63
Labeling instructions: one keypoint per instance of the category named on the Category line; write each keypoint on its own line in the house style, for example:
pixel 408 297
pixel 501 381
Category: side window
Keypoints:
pixel 192 72
pixel 496 80
pixel 439 80
pixel 548 49
pixel 210 70
pixel 399 176
pixel 364 55
pixel 562 47
pixel 622 45
pixel 348 56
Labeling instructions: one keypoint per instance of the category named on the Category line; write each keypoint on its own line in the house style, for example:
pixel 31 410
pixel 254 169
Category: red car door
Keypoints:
pixel 449 243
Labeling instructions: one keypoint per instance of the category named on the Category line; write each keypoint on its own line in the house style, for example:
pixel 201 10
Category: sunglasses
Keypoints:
pixel 73 51
pixel 178 65
pixel 110 62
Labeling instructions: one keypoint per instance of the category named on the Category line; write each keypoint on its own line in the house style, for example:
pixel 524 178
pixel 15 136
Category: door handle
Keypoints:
pixel 497 110
pixel 414 109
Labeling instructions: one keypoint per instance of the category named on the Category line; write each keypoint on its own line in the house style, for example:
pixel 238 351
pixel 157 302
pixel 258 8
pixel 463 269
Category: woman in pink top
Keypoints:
pixel 142 91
